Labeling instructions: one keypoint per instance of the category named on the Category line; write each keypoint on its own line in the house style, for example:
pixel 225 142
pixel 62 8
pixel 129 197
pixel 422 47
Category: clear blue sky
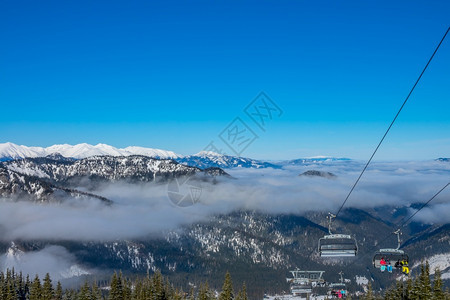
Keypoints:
pixel 174 74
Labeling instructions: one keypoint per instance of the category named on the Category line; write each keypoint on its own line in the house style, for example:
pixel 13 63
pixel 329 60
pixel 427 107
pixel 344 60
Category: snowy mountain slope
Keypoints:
pixel 108 168
pixel 205 159
pixel 10 151
pixel 242 242
pixel 14 185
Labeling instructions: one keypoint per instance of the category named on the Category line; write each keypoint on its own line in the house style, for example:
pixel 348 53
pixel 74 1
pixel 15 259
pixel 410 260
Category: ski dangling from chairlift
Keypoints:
pixel 388 259
pixel 337 245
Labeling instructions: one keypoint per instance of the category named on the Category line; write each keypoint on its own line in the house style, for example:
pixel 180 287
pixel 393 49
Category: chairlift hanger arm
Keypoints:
pixel 398 233
pixel 330 218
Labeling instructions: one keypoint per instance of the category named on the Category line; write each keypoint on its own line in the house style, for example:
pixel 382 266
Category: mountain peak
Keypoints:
pixel 208 153
pixel 315 173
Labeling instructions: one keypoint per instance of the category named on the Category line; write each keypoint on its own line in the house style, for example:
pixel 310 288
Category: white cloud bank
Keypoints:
pixel 142 210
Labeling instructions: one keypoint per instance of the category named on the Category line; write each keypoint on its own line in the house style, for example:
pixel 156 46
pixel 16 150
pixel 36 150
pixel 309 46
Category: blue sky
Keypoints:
pixel 173 74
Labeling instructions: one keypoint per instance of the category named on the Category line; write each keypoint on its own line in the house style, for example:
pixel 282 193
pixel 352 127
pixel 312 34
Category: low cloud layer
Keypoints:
pixel 143 210
pixel 55 260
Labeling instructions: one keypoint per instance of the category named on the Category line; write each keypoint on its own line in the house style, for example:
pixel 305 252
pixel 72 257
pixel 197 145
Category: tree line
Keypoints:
pixel 419 288
pixel 15 286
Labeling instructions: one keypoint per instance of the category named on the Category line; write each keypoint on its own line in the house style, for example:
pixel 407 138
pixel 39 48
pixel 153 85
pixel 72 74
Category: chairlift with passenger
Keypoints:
pixel 392 255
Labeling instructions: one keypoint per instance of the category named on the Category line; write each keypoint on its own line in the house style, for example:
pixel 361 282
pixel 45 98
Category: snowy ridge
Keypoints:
pixel 12 151
pixel 135 167
pixel 207 159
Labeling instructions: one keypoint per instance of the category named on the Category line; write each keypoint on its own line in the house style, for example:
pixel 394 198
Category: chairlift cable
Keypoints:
pixel 403 223
pixel 425 204
pixel 392 123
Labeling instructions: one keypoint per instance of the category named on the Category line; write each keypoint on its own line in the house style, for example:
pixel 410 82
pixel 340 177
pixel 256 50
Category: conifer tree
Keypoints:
pixel 427 289
pixel 227 289
pixel 409 287
pixel 11 294
pixel 369 293
pixel 116 291
pixel 58 291
pixel 414 293
pixel 126 284
pixel 438 293
pixel 157 287
pixel 20 287
pixel 27 285
pixel 36 289
pixel 242 294
pixel 3 287
pixel 178 295
pixel 204 292
pixel 70 295
pixel 85 292
pixel 96 292
pixel 47 288
pixel 137 291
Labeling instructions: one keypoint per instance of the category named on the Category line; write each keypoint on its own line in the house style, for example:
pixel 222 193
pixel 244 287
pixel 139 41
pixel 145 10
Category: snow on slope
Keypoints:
pixel 10 150
pixel 13 151
pixel 441 261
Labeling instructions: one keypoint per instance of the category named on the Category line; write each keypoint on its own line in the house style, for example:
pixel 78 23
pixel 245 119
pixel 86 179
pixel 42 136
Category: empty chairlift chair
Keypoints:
pixel 393 255
pixel 337 245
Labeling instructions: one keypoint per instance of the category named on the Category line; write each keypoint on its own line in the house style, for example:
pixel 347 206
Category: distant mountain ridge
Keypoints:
pixel 313 160
pixel 203 159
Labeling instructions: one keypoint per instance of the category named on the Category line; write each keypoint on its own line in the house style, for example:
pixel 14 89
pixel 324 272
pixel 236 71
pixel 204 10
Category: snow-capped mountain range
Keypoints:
pixel 203 159
pixel 12 151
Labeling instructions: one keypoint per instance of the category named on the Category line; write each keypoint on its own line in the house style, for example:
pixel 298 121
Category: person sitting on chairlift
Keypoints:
pixel 398 264
pixel 388 265
pixel 382 264
pixel 405 268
